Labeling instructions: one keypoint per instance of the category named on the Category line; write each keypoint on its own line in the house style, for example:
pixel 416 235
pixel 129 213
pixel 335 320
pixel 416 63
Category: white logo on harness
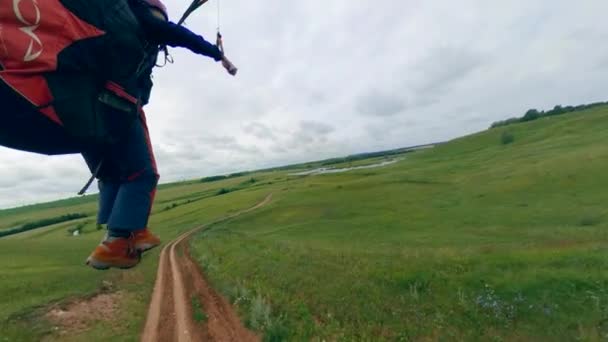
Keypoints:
pixel 35 47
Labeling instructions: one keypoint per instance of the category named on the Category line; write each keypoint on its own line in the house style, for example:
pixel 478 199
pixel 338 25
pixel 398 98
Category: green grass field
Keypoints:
pixel 472 240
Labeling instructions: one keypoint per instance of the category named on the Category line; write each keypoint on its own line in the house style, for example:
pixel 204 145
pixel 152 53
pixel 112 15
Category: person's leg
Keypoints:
pixel 127 233
pixel 23 127
pixel 108 191
pixel 108 183
pixel 139 179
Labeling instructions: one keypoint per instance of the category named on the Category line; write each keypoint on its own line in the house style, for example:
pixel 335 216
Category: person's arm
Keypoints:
pixel 164 32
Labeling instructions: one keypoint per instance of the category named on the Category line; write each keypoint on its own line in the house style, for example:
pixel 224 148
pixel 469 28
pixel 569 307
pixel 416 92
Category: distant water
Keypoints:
pixel 326 170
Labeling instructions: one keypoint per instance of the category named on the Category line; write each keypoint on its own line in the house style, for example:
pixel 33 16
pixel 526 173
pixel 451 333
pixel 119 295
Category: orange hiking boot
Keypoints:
pixel 114 252
pixel 145 240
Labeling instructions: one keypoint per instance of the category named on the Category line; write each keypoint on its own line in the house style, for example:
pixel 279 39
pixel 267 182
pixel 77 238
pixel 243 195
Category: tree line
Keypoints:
pixel 42 223
pixel 534 114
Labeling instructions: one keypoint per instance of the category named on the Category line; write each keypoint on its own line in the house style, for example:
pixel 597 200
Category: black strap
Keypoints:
pixel 93 176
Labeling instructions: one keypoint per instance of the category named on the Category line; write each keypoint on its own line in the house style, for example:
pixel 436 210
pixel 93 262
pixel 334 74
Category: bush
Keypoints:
pixel 531 115
pixel 590 220
pixel 79 228
pixel 219 178
pixel 171 206
pixel 238 174
pixel 249 181
pixel 212 179
pixel 223 191
pixel 507 138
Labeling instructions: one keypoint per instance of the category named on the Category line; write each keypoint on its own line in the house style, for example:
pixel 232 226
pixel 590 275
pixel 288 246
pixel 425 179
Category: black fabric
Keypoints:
pixel 161 32
pixel 118 54
pixel 82 70
pixel 24 128
pixel 85 117
pixel 124 54
pixel 84 67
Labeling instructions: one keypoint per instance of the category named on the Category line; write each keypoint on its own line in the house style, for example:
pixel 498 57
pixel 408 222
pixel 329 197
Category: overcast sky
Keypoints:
pixel 325 78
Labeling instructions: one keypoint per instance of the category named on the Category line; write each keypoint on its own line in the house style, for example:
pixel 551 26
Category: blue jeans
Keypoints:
pixel 127 180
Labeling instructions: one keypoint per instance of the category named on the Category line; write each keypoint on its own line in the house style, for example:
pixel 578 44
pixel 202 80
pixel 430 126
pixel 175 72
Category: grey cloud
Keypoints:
pixel 260 131
pixel 226 143
pixel 444 67
pixel 309 135
pixel 279 149
pixel 27 178
pixel 315 127
pixel 377 103
pixel 422 84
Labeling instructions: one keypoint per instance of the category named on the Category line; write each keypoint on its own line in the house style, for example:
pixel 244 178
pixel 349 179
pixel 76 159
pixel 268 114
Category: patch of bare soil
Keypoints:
pixel 77 316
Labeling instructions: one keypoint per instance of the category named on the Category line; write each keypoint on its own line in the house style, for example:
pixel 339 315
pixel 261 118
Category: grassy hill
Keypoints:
pixel 475 239
pixel 472 240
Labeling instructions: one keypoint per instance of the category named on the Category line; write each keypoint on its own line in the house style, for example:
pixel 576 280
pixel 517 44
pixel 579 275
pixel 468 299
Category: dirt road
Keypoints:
pixel 179 283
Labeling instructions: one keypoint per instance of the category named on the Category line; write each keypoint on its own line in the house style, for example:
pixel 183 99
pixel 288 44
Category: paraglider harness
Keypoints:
pixel 69 60
pixel 167 59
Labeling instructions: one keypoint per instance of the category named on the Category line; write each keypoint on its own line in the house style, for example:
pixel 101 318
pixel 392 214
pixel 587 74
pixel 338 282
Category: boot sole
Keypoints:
pixel 102 266
pixel 146 247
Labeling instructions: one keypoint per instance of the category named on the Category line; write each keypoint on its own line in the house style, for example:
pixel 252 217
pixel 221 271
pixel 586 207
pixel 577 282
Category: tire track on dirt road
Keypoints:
pixel 179 280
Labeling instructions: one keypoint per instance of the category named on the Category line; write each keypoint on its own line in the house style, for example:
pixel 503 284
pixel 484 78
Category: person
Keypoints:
pixel 126 171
